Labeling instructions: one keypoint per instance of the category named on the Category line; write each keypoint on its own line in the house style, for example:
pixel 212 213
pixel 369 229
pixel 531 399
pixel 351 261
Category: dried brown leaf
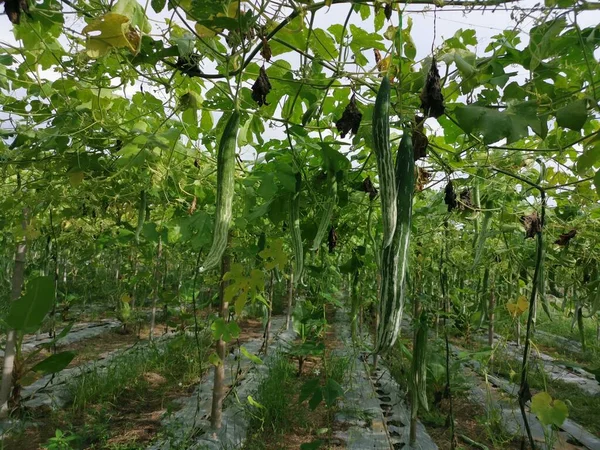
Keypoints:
pixel 565 238
pixel 350 120
pixel 419 140
pixel 332 239
pixel 450 196
pixel 261 87
pixel 532 224
pixel 265 51
pixel 432 100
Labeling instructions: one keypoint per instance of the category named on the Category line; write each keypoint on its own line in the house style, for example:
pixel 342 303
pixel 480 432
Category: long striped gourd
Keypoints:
pixel 327 211
pixel 295 229
pixel 225 192
pixel 419 366
pixel 141 215
pixel 483 233
pixel 385 165
pixel 371 237
pixel 394 258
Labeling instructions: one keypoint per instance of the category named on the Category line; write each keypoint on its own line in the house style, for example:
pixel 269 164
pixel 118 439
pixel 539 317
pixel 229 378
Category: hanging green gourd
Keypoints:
pixel 295 229
pixel 225 192
pixel 394 258
pixel 385 165
pixel 141 215
pixel 327 212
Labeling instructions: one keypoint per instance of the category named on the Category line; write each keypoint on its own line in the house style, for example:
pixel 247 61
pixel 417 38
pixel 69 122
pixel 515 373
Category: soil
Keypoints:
pixel 469 421
pixel 94 348
pixel 133 420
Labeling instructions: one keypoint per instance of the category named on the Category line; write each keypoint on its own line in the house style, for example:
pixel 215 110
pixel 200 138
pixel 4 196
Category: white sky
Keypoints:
pixel 449 19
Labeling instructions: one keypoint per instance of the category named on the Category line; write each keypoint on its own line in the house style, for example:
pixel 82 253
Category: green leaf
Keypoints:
pixel 158 5
pixel 316 399
pixel 27 313
pixel 260 211
pixel 240 302
pixel 268 187
pixel 323 44
pixel 542 38
pixel 64 331
pixel 378 20
pixel 494 125
pixel 243 286
pixel 572 116
pixel 6 60
pixel 54 363
pixel 314 445
pixel 135 12
pixel 332 391
pixel 254 403
pixel 308 389
pixel 225 330
pixel 597 182
pixel 333 159
pixel 588 158
pixel 549 411
pixel 310 112
pixel 255 359
pixel 363 40
pixel 308 349
pixel 286 176
pixel 274 255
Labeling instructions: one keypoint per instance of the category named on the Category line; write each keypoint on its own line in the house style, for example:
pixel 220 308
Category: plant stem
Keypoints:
pixel 524 393
pixel 220 348
pixel 11 346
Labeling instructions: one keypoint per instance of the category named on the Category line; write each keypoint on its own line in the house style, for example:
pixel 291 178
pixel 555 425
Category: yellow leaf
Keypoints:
pixel 230 292
pixel 519 307
pixel 75 178
pixel 125 298
pixel 215 360
pixel 204 32
pixel 384 64
pixel 110 31
pixel 240 302
pixel 522 304
pixel 232 10
pixel 274 255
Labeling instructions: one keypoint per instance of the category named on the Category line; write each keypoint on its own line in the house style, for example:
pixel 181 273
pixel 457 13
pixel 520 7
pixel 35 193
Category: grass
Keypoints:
pixel 278 412
pixel 471 418
pixel 338 368
pixel 176 361
pixel 590 358
pixel 583 407
pixel 282 422
pixel 560 325
pixel 120 407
